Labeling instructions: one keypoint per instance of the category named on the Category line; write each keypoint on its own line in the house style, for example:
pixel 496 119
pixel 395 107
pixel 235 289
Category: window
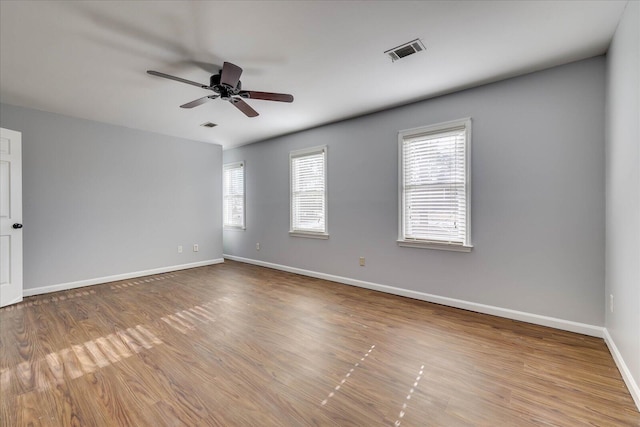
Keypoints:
pixel 233 194
pixel 308 170
pixel 434 186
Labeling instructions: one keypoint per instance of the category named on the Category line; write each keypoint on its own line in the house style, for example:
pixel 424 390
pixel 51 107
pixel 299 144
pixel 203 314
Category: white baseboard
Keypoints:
pixel 567 325
pixel 632 385
pixel 124 276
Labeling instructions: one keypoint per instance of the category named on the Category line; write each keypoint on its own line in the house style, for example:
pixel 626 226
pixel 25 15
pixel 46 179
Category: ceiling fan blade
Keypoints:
pixel 178 79
pixel 267 96
pixel 230 74
pixel 244 107
pixel 198 101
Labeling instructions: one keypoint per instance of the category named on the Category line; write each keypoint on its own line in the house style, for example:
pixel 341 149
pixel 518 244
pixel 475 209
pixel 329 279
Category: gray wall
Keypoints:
pixel 537 199
pixel 101 200
pixel 623 189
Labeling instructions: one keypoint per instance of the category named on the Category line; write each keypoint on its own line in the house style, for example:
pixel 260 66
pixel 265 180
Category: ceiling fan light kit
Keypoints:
pixel 228 87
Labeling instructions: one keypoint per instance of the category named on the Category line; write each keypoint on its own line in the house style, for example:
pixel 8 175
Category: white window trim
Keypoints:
pixel 427 244
pixel 302 233
pixel 244 196
pixel 309 234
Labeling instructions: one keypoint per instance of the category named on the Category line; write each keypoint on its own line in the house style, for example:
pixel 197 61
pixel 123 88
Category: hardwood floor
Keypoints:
pixel 239 345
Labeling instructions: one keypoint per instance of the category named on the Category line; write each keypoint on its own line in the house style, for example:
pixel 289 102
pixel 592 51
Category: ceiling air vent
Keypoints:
pixel 406 49
pixel 208 125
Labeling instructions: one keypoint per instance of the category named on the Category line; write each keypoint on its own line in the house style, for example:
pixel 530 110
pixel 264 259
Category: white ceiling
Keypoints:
pixel 88 59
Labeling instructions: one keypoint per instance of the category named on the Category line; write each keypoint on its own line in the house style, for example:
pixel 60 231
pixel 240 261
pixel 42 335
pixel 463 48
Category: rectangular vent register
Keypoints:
pixel 404 50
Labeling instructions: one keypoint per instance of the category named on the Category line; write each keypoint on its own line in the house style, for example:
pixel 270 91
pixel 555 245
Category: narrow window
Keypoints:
pixel 308 169
pixel 434 186
pixel 233 193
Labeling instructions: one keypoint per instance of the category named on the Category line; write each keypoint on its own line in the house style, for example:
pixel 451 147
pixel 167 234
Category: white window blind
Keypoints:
pixel 435 189
pixel 308 191
pixel 233 194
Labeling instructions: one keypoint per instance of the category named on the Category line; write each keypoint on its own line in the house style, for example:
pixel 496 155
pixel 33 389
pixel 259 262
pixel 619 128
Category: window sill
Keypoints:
pixel 227 227
pixel 434 245
pixel 309 235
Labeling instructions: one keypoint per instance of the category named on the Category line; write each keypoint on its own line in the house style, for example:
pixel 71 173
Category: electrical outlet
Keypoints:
pixel 257 246
pixel 179 249
pixel 611 302
pixel 361 261
pixel 195 247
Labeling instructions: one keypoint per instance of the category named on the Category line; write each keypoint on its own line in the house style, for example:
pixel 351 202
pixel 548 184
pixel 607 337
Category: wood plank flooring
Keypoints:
pixel 239 345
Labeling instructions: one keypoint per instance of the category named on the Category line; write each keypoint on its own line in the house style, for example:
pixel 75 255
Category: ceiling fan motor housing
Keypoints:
pixel 224 90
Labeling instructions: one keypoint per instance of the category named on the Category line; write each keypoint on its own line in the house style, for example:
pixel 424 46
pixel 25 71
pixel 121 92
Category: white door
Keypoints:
pixel 10 217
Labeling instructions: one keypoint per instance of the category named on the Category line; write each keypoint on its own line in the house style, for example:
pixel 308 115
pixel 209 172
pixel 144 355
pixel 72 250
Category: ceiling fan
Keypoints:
pixel 228 87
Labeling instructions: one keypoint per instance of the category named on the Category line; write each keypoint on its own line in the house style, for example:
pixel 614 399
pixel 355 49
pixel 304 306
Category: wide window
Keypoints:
pixel 434 186
pixel 308 169
pixel 233 193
